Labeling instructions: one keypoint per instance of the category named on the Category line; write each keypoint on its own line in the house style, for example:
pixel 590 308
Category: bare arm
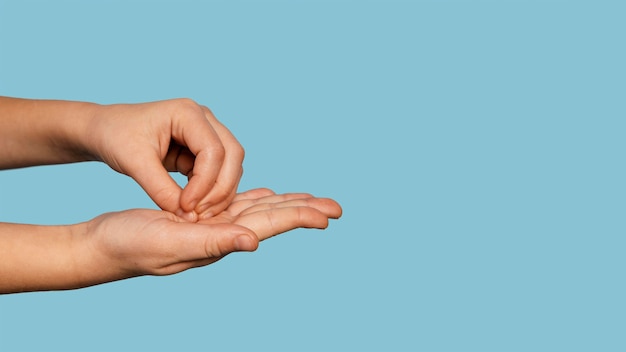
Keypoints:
pixel 42 132
pixel 36 258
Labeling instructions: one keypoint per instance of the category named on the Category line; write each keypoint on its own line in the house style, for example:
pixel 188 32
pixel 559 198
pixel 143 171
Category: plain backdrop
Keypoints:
pixel 477 148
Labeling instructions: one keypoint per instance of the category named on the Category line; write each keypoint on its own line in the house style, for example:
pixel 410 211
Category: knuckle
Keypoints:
pixel 186 107
pixel 216 151
pixel 185 102
pixel 206 110
pixel 214 248
pixel 239 151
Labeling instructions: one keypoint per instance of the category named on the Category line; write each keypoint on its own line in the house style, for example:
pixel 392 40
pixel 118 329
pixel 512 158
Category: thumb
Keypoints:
pixel 199 241
pixel 157 183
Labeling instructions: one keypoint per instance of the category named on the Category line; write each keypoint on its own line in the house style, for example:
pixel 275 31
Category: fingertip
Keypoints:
pixel 332 208
pixel 328 206
pixel 190 216
pixel 246 243
pixel 263 192
pixel 338 211
pixel 188 201
pixel 320 222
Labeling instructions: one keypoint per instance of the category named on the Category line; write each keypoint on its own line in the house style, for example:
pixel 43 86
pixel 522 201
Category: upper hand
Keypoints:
pixel 145 141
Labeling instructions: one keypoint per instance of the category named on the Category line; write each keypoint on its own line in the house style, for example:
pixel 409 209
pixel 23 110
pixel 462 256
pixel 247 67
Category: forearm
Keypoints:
pixel 41 258
pixel 41 132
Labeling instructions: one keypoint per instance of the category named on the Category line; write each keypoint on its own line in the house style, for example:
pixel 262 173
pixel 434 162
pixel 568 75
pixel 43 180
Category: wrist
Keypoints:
pixel 91 265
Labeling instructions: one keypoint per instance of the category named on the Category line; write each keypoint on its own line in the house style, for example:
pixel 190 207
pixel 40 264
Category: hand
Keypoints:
pixel 139 242
pixel 145 141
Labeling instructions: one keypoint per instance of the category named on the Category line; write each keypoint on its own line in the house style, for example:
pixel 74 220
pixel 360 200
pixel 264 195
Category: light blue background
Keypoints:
pixel 477 148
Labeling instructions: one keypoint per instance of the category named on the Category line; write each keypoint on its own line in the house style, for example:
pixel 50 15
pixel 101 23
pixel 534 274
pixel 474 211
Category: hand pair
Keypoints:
pixel 145 141
pixel 198 224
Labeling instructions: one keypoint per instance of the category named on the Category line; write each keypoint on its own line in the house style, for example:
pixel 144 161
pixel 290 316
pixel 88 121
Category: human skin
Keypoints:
pixel 144 141
pixel 137 242
pixel 198 225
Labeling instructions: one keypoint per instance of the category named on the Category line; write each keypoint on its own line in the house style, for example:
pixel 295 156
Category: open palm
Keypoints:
pixel 153 242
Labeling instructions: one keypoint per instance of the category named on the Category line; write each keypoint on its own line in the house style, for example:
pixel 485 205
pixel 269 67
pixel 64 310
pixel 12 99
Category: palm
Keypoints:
pixel 145 241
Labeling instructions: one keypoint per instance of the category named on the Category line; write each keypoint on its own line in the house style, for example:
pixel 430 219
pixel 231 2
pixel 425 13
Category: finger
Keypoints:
pixel 253 194
pixel 219 207
pixel 199 242
pixel 191 129
pixel 326 206
pixel 238 206
pixel 272 222
pixel 184 162
pixel 230 173
pixel 179 159
pixel 157 183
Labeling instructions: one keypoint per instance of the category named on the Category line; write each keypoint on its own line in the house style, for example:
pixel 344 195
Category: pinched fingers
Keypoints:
pixel 217 166
pixel 225 187
pixel 210 209
pixel 191 130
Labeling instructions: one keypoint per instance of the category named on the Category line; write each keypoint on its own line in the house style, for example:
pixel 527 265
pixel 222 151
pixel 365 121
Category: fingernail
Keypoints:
pixel 193 203
pixel 244 243
pixel 202 207
pixel 206 215
pixel 190 216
